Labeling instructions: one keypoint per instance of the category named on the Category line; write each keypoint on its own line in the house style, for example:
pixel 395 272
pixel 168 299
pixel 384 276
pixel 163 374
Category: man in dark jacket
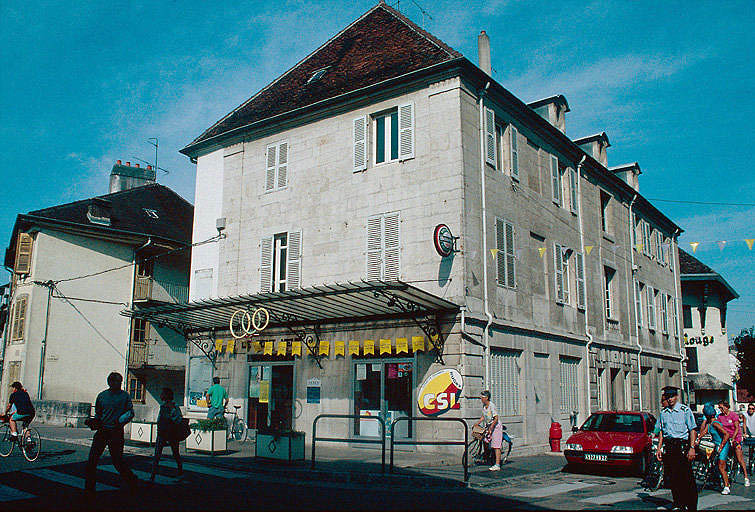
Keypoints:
pixel 113 409
pixel 24 409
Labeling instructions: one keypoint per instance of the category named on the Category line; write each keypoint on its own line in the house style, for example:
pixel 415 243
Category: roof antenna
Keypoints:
pixel 153 141
pixel 424 13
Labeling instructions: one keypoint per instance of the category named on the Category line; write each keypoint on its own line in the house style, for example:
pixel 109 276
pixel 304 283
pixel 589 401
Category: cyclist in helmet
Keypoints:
pixel 720 438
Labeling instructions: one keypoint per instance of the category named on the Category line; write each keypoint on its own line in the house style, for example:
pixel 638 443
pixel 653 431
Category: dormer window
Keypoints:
pixel 100 211
pixel 317 75
pixel 151 213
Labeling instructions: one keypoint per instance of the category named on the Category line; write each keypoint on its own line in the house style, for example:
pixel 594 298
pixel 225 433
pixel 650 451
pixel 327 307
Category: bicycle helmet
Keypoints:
pixel 709 410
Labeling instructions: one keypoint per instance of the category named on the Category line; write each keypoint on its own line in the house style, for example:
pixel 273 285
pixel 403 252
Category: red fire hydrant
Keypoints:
pixel 555 436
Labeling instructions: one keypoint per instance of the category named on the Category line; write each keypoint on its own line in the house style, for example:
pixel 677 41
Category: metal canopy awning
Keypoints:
pixel 310 307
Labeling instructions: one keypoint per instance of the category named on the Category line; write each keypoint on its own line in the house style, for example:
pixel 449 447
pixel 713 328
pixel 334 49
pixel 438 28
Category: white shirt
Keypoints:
pixel 750 423
pixel 488 413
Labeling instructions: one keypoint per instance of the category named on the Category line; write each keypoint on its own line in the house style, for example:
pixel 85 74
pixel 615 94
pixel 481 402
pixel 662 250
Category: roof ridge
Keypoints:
pixel 421 31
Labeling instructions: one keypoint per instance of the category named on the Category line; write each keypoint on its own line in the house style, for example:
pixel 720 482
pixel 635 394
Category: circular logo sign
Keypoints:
pixel 440 392
pixel 444 240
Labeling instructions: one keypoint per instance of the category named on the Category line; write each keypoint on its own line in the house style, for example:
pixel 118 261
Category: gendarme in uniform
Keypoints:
pixel 677 423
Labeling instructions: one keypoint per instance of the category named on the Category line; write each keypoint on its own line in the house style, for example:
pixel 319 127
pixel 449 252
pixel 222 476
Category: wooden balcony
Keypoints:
pixel 156 354
pixel 148 289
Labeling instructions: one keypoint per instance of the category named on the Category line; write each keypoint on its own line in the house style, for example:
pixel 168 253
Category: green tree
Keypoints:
pixel 745 347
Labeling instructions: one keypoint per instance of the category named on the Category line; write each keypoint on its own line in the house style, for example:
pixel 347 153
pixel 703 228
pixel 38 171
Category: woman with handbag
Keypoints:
pixel 168 422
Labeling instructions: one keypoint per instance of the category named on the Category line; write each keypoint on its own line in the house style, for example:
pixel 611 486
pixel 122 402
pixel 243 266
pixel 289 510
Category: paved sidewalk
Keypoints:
pixel 341 463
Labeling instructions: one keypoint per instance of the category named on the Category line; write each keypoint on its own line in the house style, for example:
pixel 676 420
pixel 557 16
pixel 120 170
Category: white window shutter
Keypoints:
pixel 581 291
pixel 272 161
pixel 555 181
pixel 406 131
pixel 391 247
pixel 490 156
pixel 514 153
pixel 360 143
pixel 510 256
pixel 500 244
pixel 282 164
pixel 573 189
pixel 374 248
pixel 293 265
pixel 266 264
pixel 558 267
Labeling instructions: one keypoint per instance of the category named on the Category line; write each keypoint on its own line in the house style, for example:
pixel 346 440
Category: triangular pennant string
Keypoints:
pixel 749 242
pixel 541 251
pixel 589 249
pixel 494 252
pixel 694 246
pixel 721 244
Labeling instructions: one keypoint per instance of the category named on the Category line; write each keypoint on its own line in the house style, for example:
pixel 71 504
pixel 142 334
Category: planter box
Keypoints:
pixel 213 441
pixel 288 446
pixel 144 431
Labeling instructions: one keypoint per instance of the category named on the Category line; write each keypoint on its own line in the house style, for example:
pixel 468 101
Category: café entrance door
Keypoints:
pixel 271 396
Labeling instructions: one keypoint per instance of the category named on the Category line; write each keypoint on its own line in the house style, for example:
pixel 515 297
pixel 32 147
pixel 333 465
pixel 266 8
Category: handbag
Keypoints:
pixel 181 430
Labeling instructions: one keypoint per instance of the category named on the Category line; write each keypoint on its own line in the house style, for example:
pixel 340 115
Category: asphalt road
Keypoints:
pixel 55 481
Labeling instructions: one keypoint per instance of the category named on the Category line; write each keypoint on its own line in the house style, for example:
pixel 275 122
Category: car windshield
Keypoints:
pixel 613 423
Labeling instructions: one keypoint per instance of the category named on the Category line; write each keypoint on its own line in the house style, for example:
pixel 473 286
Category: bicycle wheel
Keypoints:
pixel 701 470
pixel 6 443
pixel 238 430
pixel 733 469
pixel 31 444
pixel 474 451
pixel 505 451
pixel 654 477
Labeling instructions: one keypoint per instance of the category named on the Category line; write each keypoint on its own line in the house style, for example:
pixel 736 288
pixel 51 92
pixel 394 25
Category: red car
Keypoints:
pixel 613 438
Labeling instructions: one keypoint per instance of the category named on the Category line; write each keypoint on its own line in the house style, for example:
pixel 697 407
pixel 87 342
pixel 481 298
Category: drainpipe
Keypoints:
pixel 582 250
pixel 484 239
pixel 634 290
pixel 676 311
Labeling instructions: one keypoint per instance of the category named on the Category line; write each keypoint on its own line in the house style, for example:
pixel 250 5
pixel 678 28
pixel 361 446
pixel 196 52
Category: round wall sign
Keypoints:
pixel 443 240
pixel 440 392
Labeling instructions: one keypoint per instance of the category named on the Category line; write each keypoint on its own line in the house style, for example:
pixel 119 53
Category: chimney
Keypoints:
pixel 128 164
pixel 126 177
pixel 553 109
pixel 483 53
pixel 629 174
pixel 596 146
pixel 137 165
pixel 149 167
pixel 117 162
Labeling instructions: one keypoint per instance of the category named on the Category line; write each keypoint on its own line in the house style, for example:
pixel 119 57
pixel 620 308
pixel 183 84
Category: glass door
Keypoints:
pixel 384 389
pixel 271 397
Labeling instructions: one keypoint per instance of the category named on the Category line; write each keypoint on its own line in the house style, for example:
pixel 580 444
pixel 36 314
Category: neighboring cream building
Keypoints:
pixel 705 294
pixel 76 266
pixel 561 296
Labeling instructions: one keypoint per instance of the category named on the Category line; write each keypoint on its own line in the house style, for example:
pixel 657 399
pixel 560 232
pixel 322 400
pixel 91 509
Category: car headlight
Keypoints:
pixel 622 449
pixel 573 447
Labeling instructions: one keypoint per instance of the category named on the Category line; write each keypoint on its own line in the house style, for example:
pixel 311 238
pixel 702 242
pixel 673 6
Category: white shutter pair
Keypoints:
pixel 276 158
pixel 558 266
pixel 293 262
pixel 555 181
pixel 638 302
pixel 384 247
pixel 360 141
pixel 650 294
pixel 581 290
pixel 514 153
pixel 489 142
pixel 573 189
pixel 506 260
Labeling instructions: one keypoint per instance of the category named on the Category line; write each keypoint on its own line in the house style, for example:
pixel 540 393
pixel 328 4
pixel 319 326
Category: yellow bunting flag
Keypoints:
pixel 282 345
pixel 589 248
pixel 402 345
pixel 369 347
pixel 639 247
pixel 264 397
pixel 385 346
pixel 435 339
pixel 296 348
pixel 749 242
pixel 541 251
pixel 268 348
pixel 218 345
pixel 231 346
pixel 340 348
pixel 721 244
pixel 418 343
pixel 494 252
pixel 354 347
pixel 324 347
pixel 694 246
pixel 257 346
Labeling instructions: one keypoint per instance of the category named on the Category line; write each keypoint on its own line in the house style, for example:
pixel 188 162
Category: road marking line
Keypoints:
pixel 617 497
pixel 160 479
pixel 205 470
pixel 66 479
pixel 713 500
pixel 539 492
pixel 11 494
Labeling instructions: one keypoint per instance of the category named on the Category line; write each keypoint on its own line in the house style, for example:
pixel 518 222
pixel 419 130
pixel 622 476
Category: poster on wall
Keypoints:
pixel 440 392
pixel 200 379
pixel 313 391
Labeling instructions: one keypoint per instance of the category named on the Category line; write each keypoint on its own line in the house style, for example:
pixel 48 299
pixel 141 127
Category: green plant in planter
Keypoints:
pixel 209 425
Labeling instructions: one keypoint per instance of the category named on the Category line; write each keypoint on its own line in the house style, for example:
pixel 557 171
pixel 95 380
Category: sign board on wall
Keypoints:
pixel 200 379
pixel 313 391
pixel 440 392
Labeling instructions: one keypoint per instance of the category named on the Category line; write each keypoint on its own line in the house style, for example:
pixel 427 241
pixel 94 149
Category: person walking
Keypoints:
pixel 678 437
pixel 730 421
pixel 217 398
pixel 112 410
pixel 167 422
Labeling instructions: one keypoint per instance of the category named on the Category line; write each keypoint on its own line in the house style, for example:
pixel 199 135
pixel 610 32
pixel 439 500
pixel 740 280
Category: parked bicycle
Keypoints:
pixel 28 440
pixel 654 477
pixel 479 452
pixel 238 430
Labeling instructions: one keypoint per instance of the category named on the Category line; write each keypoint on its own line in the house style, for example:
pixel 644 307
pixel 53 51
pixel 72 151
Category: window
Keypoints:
pixel 580 274
pixel 627 390
pixel 383 247
pixel 605 200
pixel 139 330
pixel 650 294
pixel 664 312
pixel 18 331
pixel 505 373
pixel 317 75
pixel 659 246
pixel 145 267
pixel 636 227
pixel 602 389
pixel 638 286
pixel 499 146
pixel 702 310
pixel 23 254
pixel 277 166
pixel 692 363
pixel 646 243
pixel 386 137
pixel 687 316
pixel 490 138
pixel 561 271
pixel 506 260
pixel 392 136
pixel 151 213
pixel 569 384
pixel 514 160
pixel 384 389
pixel 555 180
pixel 280 262
pixel 573 190
pixel 608 275
pixel 136 388
pixel 675 318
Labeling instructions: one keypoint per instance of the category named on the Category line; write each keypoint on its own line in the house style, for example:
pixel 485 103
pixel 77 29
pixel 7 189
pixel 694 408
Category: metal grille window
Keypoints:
pixel 505 373
pixel 569 384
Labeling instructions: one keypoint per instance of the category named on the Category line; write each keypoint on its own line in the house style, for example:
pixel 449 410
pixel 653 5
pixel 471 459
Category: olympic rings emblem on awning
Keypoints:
pixel 243 323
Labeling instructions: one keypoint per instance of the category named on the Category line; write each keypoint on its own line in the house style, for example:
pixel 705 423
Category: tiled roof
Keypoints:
pixel 691 265
pixel 129 212
pixel 381 45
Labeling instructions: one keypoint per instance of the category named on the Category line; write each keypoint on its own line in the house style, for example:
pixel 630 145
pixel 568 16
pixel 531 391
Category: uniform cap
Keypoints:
pixel 670 391
pixel 709 410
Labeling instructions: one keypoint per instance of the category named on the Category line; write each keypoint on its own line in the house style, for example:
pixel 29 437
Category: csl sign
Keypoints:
pixel 440 393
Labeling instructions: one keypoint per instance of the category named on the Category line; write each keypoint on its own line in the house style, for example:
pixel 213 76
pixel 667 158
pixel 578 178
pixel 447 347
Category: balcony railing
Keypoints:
pixel 149 289
pixel 155 353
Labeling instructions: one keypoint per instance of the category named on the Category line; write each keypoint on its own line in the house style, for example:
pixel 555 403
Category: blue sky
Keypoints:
pixel 85 83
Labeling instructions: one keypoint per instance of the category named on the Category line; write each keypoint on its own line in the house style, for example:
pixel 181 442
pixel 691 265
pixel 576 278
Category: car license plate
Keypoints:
pixel 597 457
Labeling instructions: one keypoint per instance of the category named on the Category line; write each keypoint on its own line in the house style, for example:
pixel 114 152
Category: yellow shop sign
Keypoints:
pixel 440 392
